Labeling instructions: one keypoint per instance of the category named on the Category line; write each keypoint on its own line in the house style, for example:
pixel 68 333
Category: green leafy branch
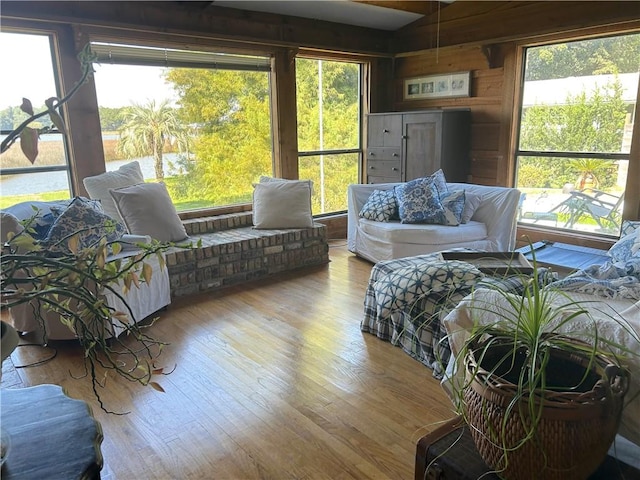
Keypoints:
pixel 29 136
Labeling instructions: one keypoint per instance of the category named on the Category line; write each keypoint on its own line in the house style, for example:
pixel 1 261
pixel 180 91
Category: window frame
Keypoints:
pixel 631 209
pixel 342 151
pixel 54 50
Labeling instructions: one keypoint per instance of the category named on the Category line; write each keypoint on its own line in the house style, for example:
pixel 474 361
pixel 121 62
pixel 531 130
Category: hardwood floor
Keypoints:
pixel 272 380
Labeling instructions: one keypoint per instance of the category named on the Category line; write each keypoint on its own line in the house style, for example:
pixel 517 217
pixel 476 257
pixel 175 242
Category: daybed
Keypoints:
pixel 407 298
pixel 492 226
pixel 143 301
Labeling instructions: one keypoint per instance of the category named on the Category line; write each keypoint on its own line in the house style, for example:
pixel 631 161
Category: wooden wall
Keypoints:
pixel 485 38
pixel 485 101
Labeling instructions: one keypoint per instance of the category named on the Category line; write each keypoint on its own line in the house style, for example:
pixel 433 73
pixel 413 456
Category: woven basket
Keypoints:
pixel 572 438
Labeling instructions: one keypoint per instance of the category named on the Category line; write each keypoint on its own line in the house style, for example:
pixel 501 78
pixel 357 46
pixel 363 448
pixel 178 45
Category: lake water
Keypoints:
pixel 54 181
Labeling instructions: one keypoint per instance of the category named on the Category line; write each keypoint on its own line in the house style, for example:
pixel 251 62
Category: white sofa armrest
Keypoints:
pixel 497 210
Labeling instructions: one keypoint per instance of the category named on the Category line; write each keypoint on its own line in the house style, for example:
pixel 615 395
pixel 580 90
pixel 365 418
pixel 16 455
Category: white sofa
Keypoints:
pixel 143 301
pixel 492 226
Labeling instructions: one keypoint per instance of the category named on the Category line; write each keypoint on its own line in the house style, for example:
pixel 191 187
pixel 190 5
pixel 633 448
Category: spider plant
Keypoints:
pixel 538 351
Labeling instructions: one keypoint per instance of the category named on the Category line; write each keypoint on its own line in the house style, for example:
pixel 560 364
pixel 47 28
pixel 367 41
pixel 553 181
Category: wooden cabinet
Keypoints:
pixel 406 145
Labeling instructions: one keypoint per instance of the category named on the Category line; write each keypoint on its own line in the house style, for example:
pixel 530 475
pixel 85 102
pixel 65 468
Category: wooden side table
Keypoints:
pixel 449 452
pixel 51 435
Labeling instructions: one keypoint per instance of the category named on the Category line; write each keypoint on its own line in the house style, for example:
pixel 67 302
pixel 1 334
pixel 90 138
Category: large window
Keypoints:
pixel 328 105
pixel 578 102
pixel 30 72
pixel 198 121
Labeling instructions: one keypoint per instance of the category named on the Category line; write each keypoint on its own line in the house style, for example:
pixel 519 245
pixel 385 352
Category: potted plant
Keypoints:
pixel 71 284
pixel 538 384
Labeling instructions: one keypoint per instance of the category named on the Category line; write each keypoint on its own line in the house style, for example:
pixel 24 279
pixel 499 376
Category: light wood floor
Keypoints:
pixel 273 380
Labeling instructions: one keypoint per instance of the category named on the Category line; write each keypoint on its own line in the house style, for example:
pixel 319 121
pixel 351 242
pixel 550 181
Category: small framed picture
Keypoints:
pixel 434 86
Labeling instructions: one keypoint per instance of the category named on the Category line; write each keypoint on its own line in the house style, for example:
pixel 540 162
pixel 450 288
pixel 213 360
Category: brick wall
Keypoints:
pixel 232 252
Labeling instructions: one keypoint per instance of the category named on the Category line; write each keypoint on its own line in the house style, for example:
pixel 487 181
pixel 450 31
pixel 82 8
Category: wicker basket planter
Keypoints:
pixel 576 425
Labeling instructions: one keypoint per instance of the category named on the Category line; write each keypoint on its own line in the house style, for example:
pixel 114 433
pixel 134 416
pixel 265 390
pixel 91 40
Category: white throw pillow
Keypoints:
pixel 98 186
pixel 282 204
pixel 147 209
pixel 471 203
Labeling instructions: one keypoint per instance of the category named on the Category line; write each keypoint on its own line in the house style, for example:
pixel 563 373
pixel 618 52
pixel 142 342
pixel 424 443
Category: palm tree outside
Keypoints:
pixel 146 130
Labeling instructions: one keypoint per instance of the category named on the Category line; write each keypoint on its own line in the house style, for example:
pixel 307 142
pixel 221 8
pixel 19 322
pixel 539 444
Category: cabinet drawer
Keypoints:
pixel 372 179
pixel 383 153
pixel 388 169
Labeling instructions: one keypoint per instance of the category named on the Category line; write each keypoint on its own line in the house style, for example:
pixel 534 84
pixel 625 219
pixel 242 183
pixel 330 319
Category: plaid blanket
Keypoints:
pixel 418 329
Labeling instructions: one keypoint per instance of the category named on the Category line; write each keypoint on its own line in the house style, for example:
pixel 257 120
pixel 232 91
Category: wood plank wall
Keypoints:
pixel 485 101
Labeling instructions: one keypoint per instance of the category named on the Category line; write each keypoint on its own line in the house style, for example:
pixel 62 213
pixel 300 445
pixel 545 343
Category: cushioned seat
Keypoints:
pixel 395 232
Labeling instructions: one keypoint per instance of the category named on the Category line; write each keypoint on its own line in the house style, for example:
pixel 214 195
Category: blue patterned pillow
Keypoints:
pixel 626 248
pixel 381 206
pixel 453 205
pixel 440 182
pixel 629 226
pixel 81 216
pixel 419 202
pixel 401 288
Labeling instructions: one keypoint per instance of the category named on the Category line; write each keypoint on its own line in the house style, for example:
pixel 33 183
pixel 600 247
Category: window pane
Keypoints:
pixel 330 187
pixel 34 80
pixel 206 133
pixel 580 96
pixel 579 194
pixel 328 103
pixel 578 102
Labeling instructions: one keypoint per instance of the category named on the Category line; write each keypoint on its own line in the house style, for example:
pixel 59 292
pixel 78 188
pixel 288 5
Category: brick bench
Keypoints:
pixel 233 252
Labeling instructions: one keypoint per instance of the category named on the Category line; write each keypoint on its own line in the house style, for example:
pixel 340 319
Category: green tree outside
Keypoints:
pixel 146 129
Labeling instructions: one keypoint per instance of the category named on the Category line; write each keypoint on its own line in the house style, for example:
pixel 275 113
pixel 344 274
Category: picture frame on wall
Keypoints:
pixel 438 86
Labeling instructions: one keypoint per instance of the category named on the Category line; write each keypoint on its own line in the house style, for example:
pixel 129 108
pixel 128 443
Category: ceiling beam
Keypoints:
pixel 422 8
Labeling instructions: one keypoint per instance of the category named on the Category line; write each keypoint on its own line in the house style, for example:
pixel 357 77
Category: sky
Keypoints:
pixel 27 72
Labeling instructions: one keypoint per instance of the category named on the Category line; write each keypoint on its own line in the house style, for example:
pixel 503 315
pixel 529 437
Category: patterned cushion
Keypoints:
pixel 82 217
pixel 453 204
pixel 41 212
pixel 403 287
pixel 628 246
pixel 381 206
pixel 419 202
pixel 629 226
pixel 440 182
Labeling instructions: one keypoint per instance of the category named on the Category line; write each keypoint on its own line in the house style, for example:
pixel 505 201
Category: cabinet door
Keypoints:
pixel 422 144
pixel 384 130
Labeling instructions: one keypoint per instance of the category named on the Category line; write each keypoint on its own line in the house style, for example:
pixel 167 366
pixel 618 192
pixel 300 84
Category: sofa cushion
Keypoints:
pixel 98 186
pixel 381 206
pixel 42 211
pixel 401 288
pixel 278 204
pixel 147 209
pixel 440 182
pixel 627 247
pixel 423 234
pixel 419 202
pixel 83 217
pixel 471 203
pixel 453 204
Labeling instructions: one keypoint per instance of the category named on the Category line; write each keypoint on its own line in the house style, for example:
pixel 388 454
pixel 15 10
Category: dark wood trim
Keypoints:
pixel 284 124
pixel 631 209
pixel 203 19
pixel 468 22
pixel 531 233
